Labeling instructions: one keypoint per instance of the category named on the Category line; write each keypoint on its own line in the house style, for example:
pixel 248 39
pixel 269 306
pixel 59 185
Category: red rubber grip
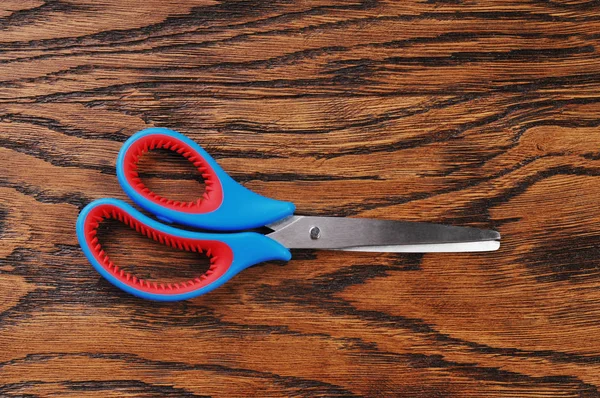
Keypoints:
pixel 213 193
pixel 219 253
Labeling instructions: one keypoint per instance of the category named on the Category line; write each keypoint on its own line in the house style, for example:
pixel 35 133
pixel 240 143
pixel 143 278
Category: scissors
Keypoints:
pixel 225 207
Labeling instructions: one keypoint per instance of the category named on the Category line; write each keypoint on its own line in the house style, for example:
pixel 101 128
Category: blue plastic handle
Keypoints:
pixel 226 206
pixel 238 251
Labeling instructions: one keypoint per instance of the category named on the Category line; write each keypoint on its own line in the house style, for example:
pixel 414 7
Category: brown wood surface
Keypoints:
pixel 480 113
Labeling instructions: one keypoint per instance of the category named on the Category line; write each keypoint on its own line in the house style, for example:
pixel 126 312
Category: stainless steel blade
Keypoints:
pixel 484 246
pixel 364 234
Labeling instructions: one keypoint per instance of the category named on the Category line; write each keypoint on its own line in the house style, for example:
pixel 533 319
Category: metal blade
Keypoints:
pixel 484 246
pixel 364 234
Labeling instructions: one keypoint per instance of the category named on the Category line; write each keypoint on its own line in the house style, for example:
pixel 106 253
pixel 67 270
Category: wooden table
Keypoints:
pixel 484 114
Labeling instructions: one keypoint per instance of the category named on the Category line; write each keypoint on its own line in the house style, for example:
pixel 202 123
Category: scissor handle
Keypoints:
pixel 229 253
pixel 225 204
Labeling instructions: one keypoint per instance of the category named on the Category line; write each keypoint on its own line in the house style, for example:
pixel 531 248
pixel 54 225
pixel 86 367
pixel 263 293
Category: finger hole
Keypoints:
pixel 146 258
pixel 169 175
pixel 209 198
pixel 218 253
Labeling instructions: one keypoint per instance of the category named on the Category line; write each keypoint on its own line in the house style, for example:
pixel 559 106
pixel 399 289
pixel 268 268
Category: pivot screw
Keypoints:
pixel 315 233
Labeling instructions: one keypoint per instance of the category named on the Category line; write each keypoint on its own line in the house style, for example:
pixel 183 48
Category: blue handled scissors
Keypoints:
pixel 227 206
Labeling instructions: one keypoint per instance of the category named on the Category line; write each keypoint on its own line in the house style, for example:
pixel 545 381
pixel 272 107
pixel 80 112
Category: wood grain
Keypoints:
pixel 481 113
